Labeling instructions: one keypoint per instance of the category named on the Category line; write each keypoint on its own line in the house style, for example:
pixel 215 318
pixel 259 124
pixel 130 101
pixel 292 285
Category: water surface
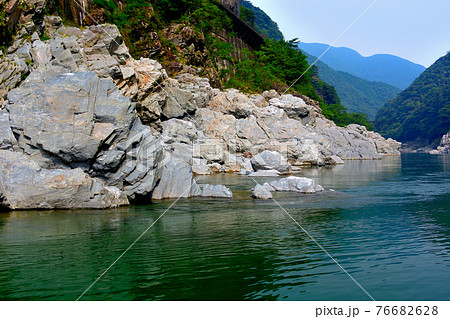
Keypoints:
pixel 387 223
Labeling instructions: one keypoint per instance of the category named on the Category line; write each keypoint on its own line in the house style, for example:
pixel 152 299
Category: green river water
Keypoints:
pixel 387 223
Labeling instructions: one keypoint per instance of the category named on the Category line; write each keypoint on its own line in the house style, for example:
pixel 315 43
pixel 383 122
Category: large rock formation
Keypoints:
pixel 88 110
pixel 25 185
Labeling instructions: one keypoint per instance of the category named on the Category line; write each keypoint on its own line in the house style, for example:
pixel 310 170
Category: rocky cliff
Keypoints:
pixel 84 125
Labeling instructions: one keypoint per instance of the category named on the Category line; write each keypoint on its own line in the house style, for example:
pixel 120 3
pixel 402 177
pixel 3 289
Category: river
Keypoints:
pixel 387 223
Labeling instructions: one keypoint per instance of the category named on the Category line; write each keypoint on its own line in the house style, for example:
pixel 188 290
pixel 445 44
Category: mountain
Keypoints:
pixel 378 68
pixel 422 111
pixel 258 19
pixel 357 95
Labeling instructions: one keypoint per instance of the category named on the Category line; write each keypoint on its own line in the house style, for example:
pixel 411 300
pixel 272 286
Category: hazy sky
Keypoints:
pixel 417 30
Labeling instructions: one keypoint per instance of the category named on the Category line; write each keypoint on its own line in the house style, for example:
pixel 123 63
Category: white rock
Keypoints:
pixel 265 173
pixel 260 192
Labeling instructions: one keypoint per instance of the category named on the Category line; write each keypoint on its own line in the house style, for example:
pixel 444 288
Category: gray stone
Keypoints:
pixel 176 180
pixel 178 104
pixel 41 53
pixel 271 160
pixel 6 136
pixel 24 52
pixel 69 116
pixel 217 191
pixel 25 185
pixel 175 130
pixel 259 192
pixel 296 184
pixel 12 71
pixel 265 173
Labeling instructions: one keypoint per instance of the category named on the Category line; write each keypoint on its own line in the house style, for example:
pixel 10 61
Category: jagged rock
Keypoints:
pixel 25 185
pixel 175 130
pixel 217 191
pixel 41 52
pixel 259 192
pixel 6 136
pixel 12 71
pixel 176 180
pixel 294 107
pixel 265 173
pixel 178 104
pixel 271 160
pixel 295 184
pixel 70 116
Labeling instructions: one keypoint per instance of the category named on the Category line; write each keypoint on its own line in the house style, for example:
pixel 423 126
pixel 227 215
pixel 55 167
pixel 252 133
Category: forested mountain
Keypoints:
pixel 356 94
pixel 258 19
pixel 378 68
pixel 422 111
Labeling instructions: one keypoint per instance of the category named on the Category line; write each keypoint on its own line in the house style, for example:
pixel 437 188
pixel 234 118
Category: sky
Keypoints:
pixel 416 30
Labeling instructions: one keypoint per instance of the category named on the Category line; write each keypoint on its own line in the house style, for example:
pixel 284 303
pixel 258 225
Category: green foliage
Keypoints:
pixel 277 64
pixel 339 115
pixel 44 37
pixel 248 16
pixel 204 14
pixel 110 6
pixel 5 35
pixel 422 111
pixel 263 23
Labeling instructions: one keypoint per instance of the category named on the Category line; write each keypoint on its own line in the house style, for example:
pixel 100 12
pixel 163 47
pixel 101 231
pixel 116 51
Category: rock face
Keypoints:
pixel 260 192
pixel 25 185
pixel 118 130
pixel 294 184
pixel 176 180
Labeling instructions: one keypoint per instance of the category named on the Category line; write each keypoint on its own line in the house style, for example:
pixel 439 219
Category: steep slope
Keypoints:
pixel 261 21
pixel 422 111
pixel 357 95
pixel 378 68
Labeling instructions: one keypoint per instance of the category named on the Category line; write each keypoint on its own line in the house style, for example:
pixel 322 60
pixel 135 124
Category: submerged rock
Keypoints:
pixel 218 191
pixel 294 184
pixel 260 192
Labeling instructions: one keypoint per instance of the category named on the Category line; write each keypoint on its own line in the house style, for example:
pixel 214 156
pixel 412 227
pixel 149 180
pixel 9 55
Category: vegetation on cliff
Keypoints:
pixel 196 33
pixel 422 111
pixel 259 20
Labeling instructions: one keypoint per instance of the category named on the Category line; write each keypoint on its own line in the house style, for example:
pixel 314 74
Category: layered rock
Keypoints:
pixel 25 185
pixel 89 110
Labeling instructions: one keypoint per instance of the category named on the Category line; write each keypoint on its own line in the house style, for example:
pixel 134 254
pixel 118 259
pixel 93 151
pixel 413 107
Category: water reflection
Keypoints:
pixel 388 225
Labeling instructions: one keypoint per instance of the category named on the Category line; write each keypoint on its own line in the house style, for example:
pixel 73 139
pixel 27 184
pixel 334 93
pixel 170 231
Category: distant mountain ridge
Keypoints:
pixel 386 68
pixel 357 95
pixel 422 111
